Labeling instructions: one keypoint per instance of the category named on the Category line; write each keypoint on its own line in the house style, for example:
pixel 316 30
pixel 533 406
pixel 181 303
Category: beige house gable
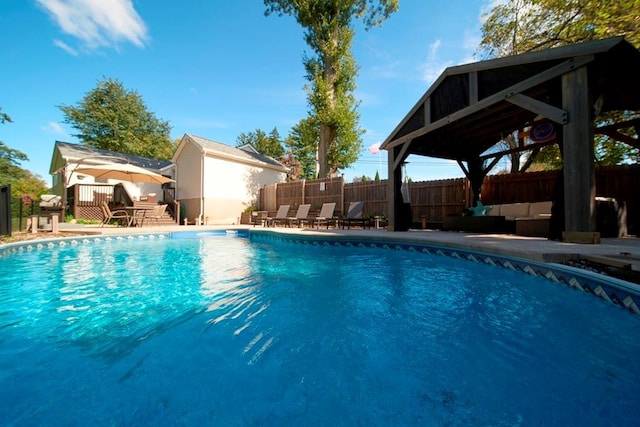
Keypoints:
pixel 217 182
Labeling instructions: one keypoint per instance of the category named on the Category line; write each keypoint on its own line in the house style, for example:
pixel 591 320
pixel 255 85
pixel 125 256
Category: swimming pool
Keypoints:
pixel 228 330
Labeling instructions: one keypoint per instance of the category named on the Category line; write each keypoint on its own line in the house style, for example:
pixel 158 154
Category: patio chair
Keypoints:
pixel 119 215
pixel 154 215
pixel 302 215
pixel 282 216
pixel 354 216
pixel 326 215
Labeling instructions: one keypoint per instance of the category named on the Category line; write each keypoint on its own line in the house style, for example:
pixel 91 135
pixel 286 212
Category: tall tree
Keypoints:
pixel 114 118
pixel 331 70
pixel 269 145
pixel 519 26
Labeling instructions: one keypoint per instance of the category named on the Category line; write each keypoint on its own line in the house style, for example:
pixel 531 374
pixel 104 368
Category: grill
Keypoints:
pixel 50 204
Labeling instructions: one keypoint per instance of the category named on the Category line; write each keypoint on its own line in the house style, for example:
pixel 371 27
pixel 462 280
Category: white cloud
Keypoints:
pixel 433 66
pixel 62 45
pixel 98 23
pixel 55 128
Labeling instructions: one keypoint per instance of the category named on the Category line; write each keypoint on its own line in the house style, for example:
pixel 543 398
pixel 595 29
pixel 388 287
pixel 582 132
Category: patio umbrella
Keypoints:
pixel 123 172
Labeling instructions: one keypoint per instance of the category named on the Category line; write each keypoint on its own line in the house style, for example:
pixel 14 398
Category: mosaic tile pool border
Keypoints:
pixel 609 289
pixel 12 248
pixel 614 291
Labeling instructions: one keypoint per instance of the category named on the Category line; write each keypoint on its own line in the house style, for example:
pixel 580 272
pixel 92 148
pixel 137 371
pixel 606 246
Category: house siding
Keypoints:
pixel 230 187
pixel 188 184
pixel 228 179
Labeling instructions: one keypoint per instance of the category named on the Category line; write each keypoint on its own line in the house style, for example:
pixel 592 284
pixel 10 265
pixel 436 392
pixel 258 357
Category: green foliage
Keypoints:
pixel 113 118
pixel 268 145
pixel 71 220
pixel 22 181
pixel 519 26
pixel 332 71
pixel 549 158
pixel 301 143
pixel 377 177
pixel 4 117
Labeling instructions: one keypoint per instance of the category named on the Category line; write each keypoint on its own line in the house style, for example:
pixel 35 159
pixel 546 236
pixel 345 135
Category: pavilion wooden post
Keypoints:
pixel 394 186
pixel 579 173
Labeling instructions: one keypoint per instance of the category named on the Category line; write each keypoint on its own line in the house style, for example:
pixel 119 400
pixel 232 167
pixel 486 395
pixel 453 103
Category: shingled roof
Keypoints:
pixel 245 153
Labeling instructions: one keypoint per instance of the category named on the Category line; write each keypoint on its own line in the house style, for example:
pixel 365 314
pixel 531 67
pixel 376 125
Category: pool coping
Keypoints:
pixel 612 290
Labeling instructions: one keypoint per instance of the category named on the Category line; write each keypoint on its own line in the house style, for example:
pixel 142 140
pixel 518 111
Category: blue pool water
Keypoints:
pixel 220 330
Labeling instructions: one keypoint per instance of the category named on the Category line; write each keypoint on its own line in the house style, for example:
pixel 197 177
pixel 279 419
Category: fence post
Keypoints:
pixel 34 224
pixel 5 210
pixel 342 195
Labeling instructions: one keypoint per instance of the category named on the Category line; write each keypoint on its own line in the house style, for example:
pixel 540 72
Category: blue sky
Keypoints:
pixel 216 68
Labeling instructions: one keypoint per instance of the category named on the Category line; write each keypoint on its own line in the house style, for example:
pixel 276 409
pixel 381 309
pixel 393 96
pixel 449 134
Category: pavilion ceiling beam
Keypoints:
pixel 612 131
pixel 501 96
pixel 402 155
pixel 464 168
pixel 485 171
pixel 555 114
pixel 619 137
pixel 527 147
pixel 620 125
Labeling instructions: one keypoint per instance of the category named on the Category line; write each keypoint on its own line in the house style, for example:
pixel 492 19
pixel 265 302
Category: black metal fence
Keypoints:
pixel 22 208
pixel 5 210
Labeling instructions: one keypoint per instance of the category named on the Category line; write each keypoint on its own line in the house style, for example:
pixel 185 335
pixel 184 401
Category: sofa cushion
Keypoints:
pixel 495 211
pixel 540 208
pixel 514 210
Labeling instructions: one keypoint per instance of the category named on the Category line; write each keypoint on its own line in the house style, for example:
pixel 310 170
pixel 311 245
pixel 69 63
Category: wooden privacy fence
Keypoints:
pixel 435 200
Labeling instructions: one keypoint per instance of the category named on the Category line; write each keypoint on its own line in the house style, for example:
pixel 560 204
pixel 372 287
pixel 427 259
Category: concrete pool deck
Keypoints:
pixel 622 254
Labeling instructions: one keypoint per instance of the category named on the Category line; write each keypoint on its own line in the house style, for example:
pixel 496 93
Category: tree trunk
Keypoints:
pixel 327 135
pixel 328 131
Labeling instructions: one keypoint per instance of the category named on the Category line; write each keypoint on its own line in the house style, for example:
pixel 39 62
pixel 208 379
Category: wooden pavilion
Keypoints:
pixel 470 108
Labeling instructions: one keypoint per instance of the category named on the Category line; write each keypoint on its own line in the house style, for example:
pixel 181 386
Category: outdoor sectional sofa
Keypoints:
pixel 525 219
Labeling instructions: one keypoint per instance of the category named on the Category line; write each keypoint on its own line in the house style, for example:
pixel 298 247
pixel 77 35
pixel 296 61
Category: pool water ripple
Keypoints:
pixel 226 331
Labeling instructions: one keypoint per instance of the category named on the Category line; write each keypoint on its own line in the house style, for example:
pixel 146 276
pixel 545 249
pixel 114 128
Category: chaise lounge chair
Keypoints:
pixel 326 215
pixel 302 215
pixel 282 216
pixel 354 216
pixel 259 218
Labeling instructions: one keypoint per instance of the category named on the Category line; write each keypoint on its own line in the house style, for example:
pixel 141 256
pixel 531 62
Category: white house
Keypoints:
pixel 216 182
